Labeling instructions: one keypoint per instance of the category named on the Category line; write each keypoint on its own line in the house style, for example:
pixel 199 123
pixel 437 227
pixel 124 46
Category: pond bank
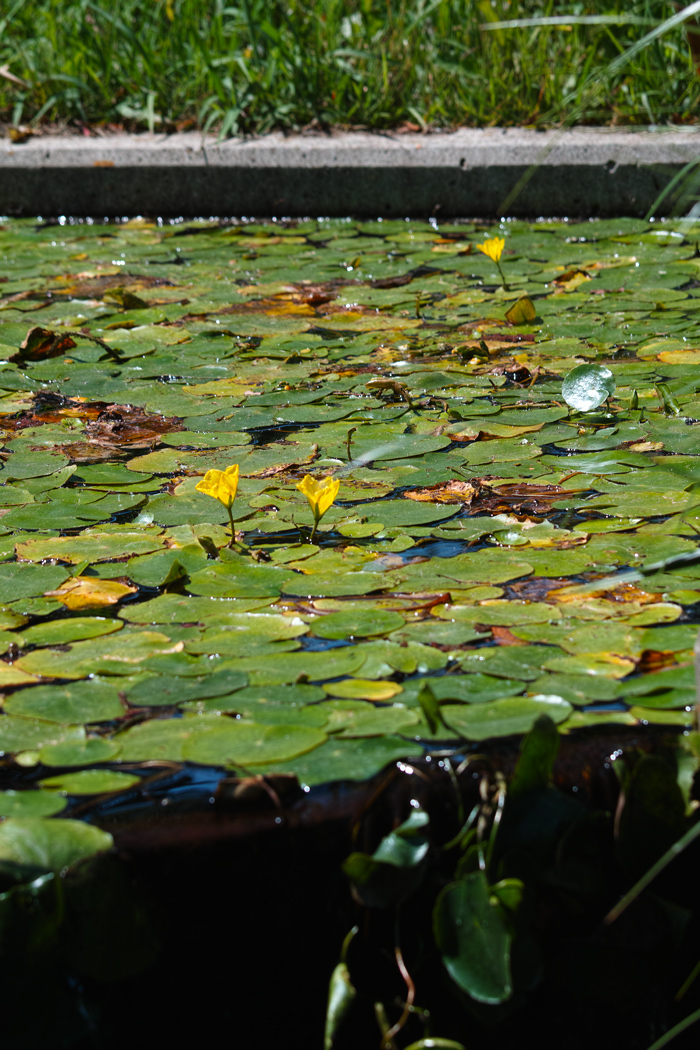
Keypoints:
pixel 579 172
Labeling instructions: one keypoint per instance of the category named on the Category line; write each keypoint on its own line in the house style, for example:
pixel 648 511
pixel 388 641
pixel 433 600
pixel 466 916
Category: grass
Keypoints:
pixel 264 64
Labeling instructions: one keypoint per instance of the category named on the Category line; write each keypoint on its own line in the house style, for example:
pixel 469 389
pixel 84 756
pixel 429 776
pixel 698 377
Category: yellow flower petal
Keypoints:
pixel 493 247
pixel 220 484
pixel 320 494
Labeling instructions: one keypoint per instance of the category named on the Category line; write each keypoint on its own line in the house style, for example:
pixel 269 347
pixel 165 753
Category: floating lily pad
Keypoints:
pixel 174 608
pixel 363 689
pixel 59 632
pixel 50 844
pixel 358 718
pixel 240 579
pixel 78 753
pixel 161 690
pixel 83 702
pixel 90 782
pixel 247 743
pixel 30 804
pixel 89 547
pixel 22 734
pixel 360 623
pixel 348 759
pixel 587 386
pixel 332 584
pixel 503 717
pixel 161 738
pixel 19 580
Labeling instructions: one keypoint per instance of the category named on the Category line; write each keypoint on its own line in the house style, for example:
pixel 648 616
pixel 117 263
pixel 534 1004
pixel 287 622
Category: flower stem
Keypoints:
pixel 505 286
pixel 232 541
pixel 312 537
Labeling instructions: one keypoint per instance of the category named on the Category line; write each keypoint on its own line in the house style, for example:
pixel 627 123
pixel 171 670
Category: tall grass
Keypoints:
pixel 259 64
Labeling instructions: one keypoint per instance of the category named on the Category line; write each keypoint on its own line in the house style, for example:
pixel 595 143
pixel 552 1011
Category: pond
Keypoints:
pixel 457 584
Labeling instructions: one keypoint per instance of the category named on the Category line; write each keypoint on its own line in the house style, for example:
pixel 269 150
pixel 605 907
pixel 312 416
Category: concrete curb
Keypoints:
pixel 469 172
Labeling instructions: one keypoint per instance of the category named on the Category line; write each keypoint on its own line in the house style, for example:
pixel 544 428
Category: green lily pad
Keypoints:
pixel 83 702
pixel 347 759
pixel 32 464
pixel 59 632
pixel 247 743
pixel 116 654
pixel 358 718
pixel 503 717
pixel 161 690
pixel 78 753
pixel 160 738
pixel 89 546
pixel 30 804
pixel 361 623
pixel 587 386
pixel 240 579
pixel 50 844
pixel 24 734
pixel 174 608
pixel 404 513
pixel 332 584
pixel 20 580
pixel 90 782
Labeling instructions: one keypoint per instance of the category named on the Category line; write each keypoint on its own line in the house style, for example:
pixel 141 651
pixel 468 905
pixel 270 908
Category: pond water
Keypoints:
pixel 473 500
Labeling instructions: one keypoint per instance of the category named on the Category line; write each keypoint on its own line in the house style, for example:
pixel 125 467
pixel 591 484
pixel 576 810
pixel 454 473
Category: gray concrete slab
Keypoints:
pixel 469 172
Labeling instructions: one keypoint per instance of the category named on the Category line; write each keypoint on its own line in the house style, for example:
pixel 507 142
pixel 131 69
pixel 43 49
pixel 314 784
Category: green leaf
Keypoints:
pixel 78 752
pixel 357 718
pixel 59 632
pixel 21 580
pixel 350 760
pixel 395 869
pixel 341 995
pixel 474 939
pixel 587 386
pixel 538 751
pixel 361 623
pixel 161 690
pixel 85 702
pixel 30 804
pixel 246 743
pixel 24 734
pixel 90 782
pixel 497 718
pixel 50 844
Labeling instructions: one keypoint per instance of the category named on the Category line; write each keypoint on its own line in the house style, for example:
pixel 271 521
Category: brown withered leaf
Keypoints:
pixel 392 282
pixel 118 428
pixel 502 636
pixel 520 497
pixel 41 343
pixel 92 286
pixel 499 341
pixel 655 660
pixel 82 592
pixel 127 300
pixel 445 492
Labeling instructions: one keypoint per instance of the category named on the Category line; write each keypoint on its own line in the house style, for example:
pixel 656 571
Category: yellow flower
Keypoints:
pixel 493 247
pixel 321 496
pixel 220 484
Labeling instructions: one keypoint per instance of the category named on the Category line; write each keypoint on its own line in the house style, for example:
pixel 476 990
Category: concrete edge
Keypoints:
pixel 470 172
